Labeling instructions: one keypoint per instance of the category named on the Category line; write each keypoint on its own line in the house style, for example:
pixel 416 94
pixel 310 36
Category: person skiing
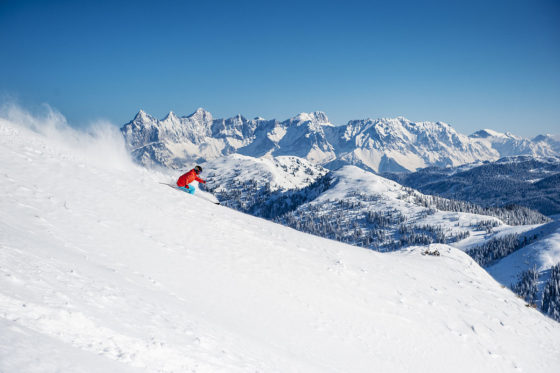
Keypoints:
pixel 187 178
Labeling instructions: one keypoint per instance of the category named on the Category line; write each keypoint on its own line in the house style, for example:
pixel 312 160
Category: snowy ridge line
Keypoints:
pixel 381 145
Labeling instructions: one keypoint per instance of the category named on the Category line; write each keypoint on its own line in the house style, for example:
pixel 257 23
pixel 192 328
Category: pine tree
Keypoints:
pixel 526 287
pixel 551 295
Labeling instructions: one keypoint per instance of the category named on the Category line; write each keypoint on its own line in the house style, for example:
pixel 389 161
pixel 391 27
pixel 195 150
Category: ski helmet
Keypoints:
pixel 198 169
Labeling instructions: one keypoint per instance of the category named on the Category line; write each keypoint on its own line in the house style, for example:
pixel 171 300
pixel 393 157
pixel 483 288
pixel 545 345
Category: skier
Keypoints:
pixel 185 179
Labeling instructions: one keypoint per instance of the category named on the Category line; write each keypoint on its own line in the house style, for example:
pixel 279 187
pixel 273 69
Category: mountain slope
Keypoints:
pixel 525 181
pixel 100 261
pixel 541 256
pixel 276 173
pixel 368 210
pixel 254 185
pixel 357 207
pixel 353 205
pixel 398 144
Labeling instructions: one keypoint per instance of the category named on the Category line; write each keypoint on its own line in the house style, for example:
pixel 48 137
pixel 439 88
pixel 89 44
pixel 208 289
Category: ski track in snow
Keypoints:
pixel 104 269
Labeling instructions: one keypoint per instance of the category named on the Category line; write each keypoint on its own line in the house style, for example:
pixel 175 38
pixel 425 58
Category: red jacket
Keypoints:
pixel 188 178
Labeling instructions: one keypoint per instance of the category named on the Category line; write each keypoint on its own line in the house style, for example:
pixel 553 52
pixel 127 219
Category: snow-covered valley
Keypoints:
pixel 104 269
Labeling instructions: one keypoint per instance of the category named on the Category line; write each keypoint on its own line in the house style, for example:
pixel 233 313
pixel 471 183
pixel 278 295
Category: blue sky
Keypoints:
pixel 473 64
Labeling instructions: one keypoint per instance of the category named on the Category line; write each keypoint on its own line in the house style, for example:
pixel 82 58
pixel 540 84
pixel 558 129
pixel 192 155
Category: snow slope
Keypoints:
pixel 541 255
pixel 104 269
pixel 280 173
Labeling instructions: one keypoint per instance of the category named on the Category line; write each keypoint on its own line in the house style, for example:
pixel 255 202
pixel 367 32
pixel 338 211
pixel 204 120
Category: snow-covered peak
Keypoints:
pixel 317 117
pixel 171 116
pixel 393 126
pixel 239 118
pixel 352 179
pixel 201 115
pixel 544 137
pixel 512 136
pixel 508 144
pixel 398 144
pixel 547 138
pixel 495 135
pixel 401 132
pixel 553 141
pixel 485 133
pixel 143 117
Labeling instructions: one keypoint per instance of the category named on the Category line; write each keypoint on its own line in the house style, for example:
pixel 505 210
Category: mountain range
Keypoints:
pixel 380 145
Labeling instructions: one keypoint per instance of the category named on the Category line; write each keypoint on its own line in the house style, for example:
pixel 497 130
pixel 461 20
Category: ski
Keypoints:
pixel 196 195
